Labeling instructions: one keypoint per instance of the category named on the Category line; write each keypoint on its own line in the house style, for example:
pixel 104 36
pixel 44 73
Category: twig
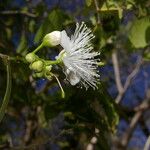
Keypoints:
pixel 117 72
pixel 128 81
pixel 97 10
pixel 16 12
pixel 45 141
pixel 127 135
pixel 122 88
pixel 142 107
pixel 10 58
pixel 147 144
pixel 28 132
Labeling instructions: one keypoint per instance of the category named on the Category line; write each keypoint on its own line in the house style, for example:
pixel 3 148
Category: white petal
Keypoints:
pixel 72 77
pixel 65 41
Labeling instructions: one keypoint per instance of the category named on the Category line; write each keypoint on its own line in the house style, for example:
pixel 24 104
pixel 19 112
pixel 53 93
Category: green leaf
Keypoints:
pixel 9 33
pixel 139 33
pixel 120 13
pixel 88 2
pixel 22 45
pixel 109 107
pixel 8 91
pixel 147 56
pixel 31 26
pixel 100 40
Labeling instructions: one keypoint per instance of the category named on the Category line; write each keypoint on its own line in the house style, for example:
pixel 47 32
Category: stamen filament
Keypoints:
pixel 62 91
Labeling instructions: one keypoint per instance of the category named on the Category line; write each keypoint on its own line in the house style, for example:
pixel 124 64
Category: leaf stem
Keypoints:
pixel 8 91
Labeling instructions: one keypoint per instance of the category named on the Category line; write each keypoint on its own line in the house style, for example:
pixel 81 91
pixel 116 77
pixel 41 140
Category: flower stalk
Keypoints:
pixel 38 48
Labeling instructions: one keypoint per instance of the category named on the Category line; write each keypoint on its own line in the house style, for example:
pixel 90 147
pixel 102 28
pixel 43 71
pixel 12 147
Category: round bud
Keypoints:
pixel 37 66
pixel 48 68
pixel 38 74
pixel 30 57
pixel 52 39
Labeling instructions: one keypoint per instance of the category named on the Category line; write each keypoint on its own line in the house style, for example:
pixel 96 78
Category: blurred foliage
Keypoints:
pixel 36 104
pixel 140 32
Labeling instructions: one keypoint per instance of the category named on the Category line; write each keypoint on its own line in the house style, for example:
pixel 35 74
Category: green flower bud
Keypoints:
pixel 37 66
pixel 48 68
pixel 30 66
pixel 38 74
pixel 30 57
pixel 52 39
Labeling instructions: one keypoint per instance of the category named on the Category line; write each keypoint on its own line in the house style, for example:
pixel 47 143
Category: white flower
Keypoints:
pixel 79 60
pixel 52 39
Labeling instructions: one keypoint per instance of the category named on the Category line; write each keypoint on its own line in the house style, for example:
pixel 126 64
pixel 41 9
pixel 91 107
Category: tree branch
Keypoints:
pixel 43 142
pixel 10 58
pixel 122 88
pixel 127 135
pixel 117 72
pixel 147 144
pixel 16 12
pixel 129 80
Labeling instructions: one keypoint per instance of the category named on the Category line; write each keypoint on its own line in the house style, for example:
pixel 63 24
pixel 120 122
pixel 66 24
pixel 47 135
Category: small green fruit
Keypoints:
pixel 30 57
pixel 48 68
pixel 37 66
pixel 38 74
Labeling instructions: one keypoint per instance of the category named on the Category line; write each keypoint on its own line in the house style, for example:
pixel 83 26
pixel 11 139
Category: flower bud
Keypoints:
pixel 38 74
pixel 30 57
pixel 37 66
pixel 48 68
pixel 52 39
